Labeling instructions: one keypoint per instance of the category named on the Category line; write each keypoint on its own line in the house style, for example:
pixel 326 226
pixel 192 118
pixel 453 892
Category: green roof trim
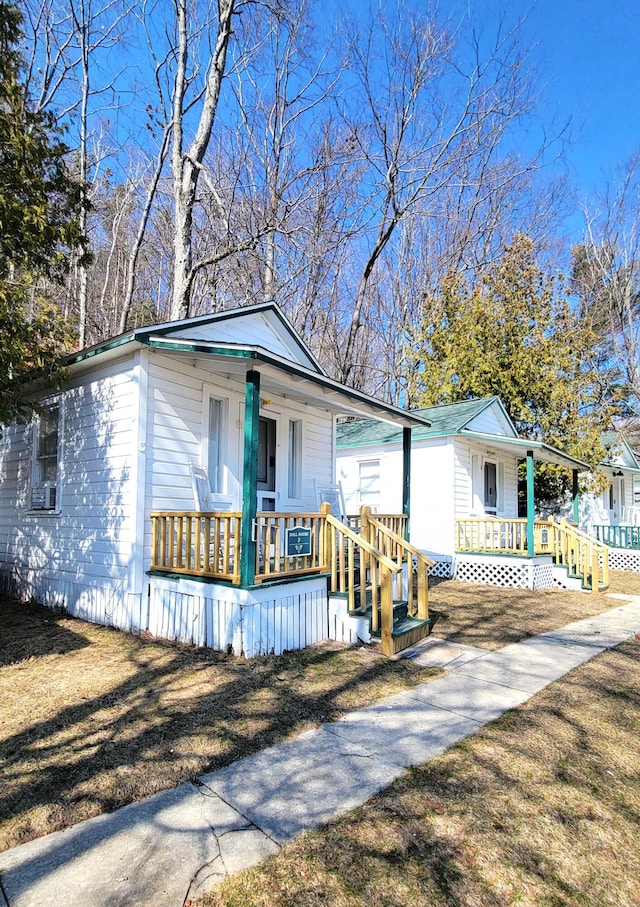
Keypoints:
pixel 143 335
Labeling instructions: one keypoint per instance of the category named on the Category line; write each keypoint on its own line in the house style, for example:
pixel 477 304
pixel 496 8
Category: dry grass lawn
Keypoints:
pixel 92 719
pixel 540 809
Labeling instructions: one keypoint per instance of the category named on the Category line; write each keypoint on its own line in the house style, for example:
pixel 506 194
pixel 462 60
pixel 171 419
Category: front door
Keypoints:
pixel 266 464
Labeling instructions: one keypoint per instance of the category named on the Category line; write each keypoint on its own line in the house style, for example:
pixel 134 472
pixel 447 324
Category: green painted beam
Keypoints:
pixel 530 505
pixel 250 478
pixel 406 476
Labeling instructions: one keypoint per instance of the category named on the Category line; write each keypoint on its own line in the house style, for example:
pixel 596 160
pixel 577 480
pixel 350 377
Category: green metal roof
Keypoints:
pixel 445 419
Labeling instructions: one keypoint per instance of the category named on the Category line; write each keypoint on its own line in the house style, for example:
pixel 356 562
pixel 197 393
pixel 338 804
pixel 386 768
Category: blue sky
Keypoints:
pixel 588 56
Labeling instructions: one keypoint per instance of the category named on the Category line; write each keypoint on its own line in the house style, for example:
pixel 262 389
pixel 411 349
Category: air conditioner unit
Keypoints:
pixel 43 497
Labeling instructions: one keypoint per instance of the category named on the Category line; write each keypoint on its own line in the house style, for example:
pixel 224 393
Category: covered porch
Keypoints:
pixel 253 549
pixel 541 552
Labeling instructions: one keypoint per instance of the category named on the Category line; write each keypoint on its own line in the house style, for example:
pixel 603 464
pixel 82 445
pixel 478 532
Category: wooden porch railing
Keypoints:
pixel 583 555
pixel 373 561
pixel 492 535
pixel 394 546
pixel 619 536
pixel 272 559
pixel 197 544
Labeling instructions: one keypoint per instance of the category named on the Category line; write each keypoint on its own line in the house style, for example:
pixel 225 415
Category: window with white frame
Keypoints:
pixel 490 488
pixel 295 458
pixel 369 483
pixel 216 445
pixel 44 475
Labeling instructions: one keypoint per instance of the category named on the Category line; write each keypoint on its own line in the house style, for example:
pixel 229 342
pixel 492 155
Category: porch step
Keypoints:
pixel 578 580
pixel 407 630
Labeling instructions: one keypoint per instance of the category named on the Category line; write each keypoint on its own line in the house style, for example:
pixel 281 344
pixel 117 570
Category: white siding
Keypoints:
pixel 178 394
pixel 431 488
pixel 256 622
pixel 432 496
pixel 464 504
pixel 81 556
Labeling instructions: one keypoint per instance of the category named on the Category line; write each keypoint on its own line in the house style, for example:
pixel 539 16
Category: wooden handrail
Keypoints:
pixel 568 545
pixel 376 572
pixel 417 604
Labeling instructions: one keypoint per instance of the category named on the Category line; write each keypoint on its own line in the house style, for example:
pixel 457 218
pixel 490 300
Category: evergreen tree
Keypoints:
pixel 39 205
pixel 514 335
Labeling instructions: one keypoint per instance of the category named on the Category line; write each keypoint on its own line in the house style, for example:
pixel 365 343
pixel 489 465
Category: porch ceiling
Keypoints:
pixel 543 453
pixel 289 380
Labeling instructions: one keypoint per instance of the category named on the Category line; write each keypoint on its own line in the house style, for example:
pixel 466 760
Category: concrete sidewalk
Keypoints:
pixel 178 844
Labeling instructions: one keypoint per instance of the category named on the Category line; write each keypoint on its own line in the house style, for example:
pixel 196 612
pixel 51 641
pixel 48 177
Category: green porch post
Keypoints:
pixel 530 506
pixel 249 478
pixel 576 497
pixel 406 476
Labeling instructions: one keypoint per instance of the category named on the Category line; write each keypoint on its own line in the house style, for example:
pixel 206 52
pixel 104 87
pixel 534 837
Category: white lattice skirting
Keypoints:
pixel 442 569
pixel 507 572
pixel 623 559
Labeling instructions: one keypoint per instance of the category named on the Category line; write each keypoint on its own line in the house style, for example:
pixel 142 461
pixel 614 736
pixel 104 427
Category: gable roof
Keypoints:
pixel 456 419
pixel 234 341
pixel 446 419
pixel 619 452
pixel 233 327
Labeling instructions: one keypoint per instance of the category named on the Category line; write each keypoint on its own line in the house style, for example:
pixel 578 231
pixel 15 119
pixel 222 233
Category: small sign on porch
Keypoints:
pixel 298 542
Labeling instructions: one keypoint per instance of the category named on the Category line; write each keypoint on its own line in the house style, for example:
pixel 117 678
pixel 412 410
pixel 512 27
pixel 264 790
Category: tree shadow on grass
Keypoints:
pixel 30 631
pixel 179 713
pixel 540 808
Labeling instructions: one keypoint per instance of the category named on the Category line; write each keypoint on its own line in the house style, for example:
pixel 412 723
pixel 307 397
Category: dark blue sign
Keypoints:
pixel 298 542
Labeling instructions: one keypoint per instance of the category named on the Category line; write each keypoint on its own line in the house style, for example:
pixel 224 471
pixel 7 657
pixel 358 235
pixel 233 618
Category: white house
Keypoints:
pixel 613 516
pixel 101 497
pixel 464 489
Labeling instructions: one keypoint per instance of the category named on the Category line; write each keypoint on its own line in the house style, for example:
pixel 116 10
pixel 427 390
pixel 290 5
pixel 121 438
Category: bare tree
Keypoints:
pixel 68 41
pixel 187 160
pixel 433 127
pixel 606 278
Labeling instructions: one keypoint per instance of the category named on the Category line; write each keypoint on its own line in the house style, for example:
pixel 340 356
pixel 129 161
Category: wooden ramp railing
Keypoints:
pixel 369 567
pixel 394 546
pixel 583 555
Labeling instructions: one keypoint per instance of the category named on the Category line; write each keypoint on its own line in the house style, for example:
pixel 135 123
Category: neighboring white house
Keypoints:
pixel 236 396
pixel 615 506
pixel 464 467
pixel 613 517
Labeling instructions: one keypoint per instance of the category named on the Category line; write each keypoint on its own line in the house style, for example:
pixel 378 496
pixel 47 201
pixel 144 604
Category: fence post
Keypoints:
pixel 595 570
pixel 605 566
pixel 325 510
pixel 386 609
